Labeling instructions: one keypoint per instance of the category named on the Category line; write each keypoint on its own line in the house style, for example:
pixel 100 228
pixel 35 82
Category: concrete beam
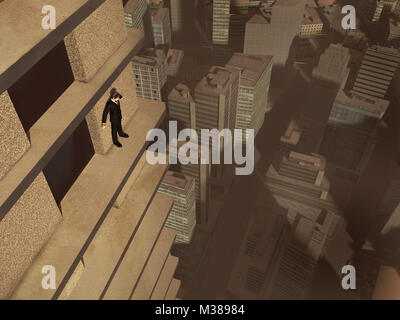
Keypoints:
pixel 173 289
pixel 53 129
pixel 167 273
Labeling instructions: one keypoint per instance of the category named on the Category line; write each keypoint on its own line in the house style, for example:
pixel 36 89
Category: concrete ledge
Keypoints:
pixel 119 226
pixel 167 273
pixel 173 289
pixel 24 42
pixel 153 269
pixel 126 277
pixel 84 208
pixel 52 130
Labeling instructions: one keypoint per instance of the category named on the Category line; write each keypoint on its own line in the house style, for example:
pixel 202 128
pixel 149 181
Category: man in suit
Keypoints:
pixel 113 107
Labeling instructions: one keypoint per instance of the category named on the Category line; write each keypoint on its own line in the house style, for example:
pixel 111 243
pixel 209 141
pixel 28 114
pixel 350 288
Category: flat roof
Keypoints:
pixel 251 65
pixel 363 101
pixel 175 180
pixel 146 60
pixel 181 92
pixel 218 79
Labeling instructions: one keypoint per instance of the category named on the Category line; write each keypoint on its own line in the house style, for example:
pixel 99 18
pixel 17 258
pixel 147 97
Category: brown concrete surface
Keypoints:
pixel 125 85
pixel 387 286
pixel 14 142
pixel 96 39
pixel 136 257
pixel 173 289
pixel 84 207
pixel 154 266
pixel 167 273
pixel 51 131
pixel 108 245
pixel 24 231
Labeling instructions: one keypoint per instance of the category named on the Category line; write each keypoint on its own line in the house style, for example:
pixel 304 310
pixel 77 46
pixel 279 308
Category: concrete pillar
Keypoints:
pixel 101 138
pixel 14 141
pixel 96 39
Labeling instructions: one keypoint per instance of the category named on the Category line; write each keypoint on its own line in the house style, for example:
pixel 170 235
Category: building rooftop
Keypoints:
pixel 252 66
pixel 174 56
pixel 159 14
pixel 181 92
pixel 218 80
pixel 311 16
pixel 146 60
pixel 177 182
pixel 365 102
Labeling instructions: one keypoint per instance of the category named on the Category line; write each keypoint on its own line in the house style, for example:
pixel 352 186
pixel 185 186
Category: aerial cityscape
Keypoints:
pixel 200 150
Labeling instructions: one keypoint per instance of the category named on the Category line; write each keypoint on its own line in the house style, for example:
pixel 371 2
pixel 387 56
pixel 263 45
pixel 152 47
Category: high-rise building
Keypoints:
pixel 161 27
pixel 396 9
pixel 252 102
pixel 177 16
pixel 371 10
pixel 350 132
pixel 174 61
pixel 261 250
pixel 150 76
pixel 182 217
pixel 200 171
pixel 220 23
pixel 137 15
pixel 181 107
pixel 312 23
pixel 216 97
pixel 376 71
pixel 66 195
pixel 273 31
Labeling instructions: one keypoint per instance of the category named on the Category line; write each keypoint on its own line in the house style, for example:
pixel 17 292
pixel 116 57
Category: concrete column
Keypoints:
pixel 96 39
pixel 101 138
pixel 14 141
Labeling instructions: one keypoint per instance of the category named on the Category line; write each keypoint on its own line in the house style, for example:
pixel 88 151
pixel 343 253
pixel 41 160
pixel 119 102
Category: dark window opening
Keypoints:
pixel 68 163
pixel 34 93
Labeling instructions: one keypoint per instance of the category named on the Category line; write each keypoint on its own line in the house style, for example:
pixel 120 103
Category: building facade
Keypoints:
pixel 161 23
pixel 62 199
pixel 220 23
pixel 252 102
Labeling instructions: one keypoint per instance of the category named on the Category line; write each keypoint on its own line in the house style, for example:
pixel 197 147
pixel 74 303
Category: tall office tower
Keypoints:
pixel 63 197
pixel 257 263
pixel 161 27
pixel 137 15
pixel 273 31
pixel 299 261
pixel 220 24
pixel 150 76
pixel 393 39
pixel 201 174
pixel 350 134
pixel 396 9
pixel 174 61
pixel 182 217
pixel 181 107
pixel 328 78
pixel 376 71
pixel 177 16
pixel 216 98
pixel 312 23
pixel 252 102
pixel 371 10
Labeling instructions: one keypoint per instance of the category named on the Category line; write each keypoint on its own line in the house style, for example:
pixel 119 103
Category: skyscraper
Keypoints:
pixel 376 71
pixel 371 10
pixel 273 30
pixel 350 132
pixel 182 217
pixel 161 27
pixel 253 92
pixel 150 76
pixel 181 107
pixel 220 25
pixel 137 15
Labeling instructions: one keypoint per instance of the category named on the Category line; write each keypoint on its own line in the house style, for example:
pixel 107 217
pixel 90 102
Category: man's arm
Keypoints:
pixel 105 114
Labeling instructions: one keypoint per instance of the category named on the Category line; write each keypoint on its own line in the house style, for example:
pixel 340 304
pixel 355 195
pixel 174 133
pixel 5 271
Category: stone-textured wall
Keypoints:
pixel 96 39
pixel 101 138
pixel 24 231
pixel 13 140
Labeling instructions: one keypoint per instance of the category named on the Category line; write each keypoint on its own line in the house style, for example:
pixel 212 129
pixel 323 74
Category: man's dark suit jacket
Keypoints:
pixel 114 110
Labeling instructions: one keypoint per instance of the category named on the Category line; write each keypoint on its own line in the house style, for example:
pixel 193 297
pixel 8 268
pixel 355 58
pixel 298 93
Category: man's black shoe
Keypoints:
pixel 124 135
pixel 118 144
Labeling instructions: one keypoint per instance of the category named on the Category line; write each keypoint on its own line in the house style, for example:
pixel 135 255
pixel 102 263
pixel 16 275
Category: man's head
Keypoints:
pixel 114 95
